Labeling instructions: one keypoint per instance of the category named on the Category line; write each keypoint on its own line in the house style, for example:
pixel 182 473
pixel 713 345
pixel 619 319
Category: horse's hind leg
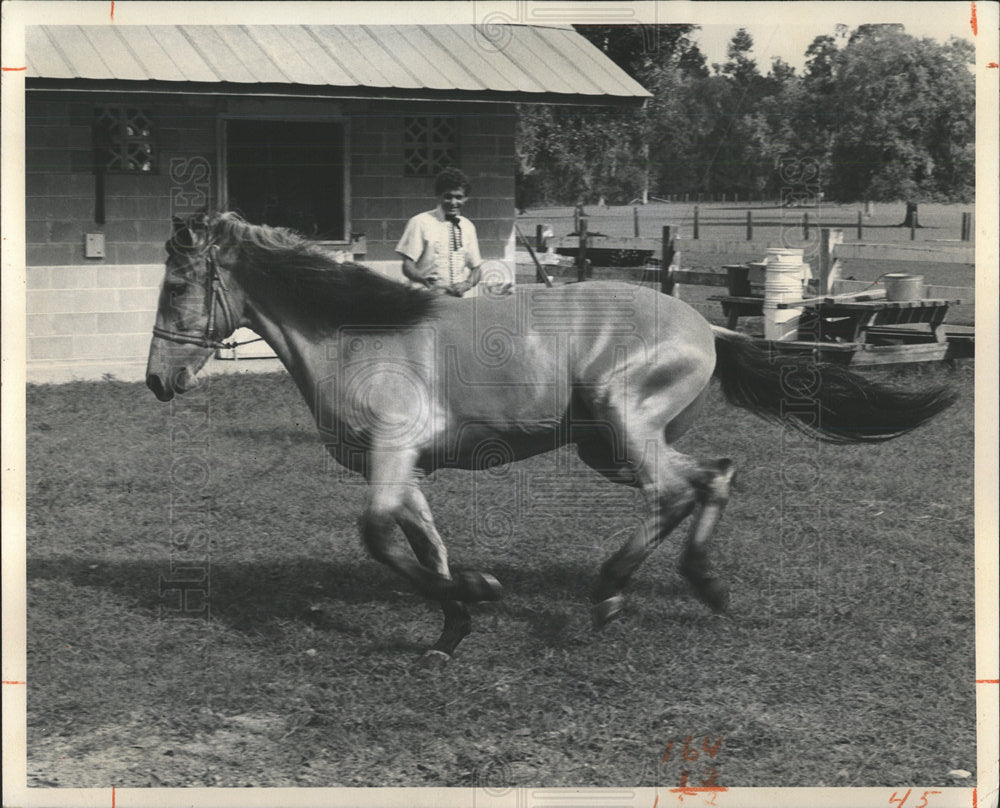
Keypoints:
pixel 664 515
pixel 677 487
pixel 713 494
pixel 417 525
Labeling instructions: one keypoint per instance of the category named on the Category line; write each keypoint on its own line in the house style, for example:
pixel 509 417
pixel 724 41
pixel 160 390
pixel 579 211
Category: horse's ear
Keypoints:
pixel 199 221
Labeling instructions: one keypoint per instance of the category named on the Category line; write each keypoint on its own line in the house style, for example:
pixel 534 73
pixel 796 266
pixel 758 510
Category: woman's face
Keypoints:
pixel 452 201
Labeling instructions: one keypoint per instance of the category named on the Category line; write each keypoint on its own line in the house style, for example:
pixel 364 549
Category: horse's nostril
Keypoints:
pixel 154 383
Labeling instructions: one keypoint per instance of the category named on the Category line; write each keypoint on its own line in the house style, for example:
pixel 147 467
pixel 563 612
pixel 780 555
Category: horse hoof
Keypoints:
pixel 476 586
pixel 714 593
pixel 607 610
pixel 432 660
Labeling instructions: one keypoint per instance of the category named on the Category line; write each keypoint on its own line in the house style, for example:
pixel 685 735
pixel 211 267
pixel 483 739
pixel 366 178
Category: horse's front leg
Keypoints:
pixel 417 525
pixel 390 475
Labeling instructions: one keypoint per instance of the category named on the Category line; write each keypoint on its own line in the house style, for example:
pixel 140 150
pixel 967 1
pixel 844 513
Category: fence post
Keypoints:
pixel 667 259
pixel 749 226
pixel 829 264
pixel 861 232
pixel 581 256
pixel 635 221
pixel 805 226
pixel 966 226
pixel 539 236
pixel 695 222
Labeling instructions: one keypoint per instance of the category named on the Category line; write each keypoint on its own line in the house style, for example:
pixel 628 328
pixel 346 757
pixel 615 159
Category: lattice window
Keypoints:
pixel 429 145
pixel 125 140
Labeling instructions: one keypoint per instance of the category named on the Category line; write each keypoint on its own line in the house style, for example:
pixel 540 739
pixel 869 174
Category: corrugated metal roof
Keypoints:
pixel 525 59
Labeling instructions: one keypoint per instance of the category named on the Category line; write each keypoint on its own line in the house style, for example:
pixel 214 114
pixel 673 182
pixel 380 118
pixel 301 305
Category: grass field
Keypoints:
pixel 846 659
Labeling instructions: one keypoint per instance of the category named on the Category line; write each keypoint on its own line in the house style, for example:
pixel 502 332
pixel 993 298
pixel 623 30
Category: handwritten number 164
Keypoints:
pixel 691 753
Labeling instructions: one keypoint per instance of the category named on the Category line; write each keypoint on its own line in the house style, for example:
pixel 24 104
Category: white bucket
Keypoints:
pixel 782 283
pixel 783 278
pixel 900 286
pixel 781 324
pixel 784 268
pixel 784 256
pixel 784 275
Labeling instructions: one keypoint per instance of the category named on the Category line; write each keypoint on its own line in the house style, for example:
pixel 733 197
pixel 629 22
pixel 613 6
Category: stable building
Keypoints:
pixel 335 131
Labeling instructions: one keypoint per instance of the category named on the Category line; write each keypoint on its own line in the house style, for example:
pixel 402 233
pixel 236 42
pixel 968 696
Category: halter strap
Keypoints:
pixel 217 293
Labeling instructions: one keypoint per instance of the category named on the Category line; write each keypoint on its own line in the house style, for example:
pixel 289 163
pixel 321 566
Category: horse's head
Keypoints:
pixel 196 310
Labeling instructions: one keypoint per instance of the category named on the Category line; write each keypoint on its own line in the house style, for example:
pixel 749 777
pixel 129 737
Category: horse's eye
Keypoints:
pixel 176 280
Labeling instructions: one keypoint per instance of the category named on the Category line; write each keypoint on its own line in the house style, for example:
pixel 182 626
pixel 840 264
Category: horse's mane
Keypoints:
pixel 278 263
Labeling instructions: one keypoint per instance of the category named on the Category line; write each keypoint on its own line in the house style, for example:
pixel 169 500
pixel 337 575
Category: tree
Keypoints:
pixel 678 123
pixel 901 114
pixel 820 64
pixel 585 154
pixel 751 120
pixel 876 32
pixel 780 74
pixel 883 114
pixel 637 48
pixel 741 67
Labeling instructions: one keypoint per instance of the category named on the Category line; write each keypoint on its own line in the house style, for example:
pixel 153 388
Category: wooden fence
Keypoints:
pixel 579 251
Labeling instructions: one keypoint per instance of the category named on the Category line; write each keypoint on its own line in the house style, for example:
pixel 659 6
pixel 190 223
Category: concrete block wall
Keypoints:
pixel 89 317
pixel 383 199
pixel 87 321
pixel 61 186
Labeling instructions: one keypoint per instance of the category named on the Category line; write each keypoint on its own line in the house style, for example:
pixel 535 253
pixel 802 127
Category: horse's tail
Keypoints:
pixel 823 400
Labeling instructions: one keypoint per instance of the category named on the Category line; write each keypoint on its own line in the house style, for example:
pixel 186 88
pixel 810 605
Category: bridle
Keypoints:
pixel 217 294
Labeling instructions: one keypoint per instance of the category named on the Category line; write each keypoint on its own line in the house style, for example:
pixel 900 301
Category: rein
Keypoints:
pixel 217 293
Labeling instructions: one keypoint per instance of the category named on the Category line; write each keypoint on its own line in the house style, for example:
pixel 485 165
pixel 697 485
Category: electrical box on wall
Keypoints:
pixel 94 245
pixel 359 244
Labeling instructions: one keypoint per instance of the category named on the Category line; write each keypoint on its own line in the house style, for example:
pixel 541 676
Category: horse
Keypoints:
pixel 402 381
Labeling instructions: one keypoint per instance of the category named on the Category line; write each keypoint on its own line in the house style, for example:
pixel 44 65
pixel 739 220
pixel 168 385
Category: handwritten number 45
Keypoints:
pixel 895 798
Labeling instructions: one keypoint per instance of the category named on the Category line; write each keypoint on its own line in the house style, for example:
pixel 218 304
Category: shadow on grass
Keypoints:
pixel 262 597
pixel 272 435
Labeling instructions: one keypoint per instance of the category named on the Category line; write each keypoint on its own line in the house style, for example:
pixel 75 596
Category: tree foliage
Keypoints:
pixel 885 115
pixel 904 110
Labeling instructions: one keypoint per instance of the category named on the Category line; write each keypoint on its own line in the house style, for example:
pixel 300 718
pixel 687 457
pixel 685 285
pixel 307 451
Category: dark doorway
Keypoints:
pixel 288 174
